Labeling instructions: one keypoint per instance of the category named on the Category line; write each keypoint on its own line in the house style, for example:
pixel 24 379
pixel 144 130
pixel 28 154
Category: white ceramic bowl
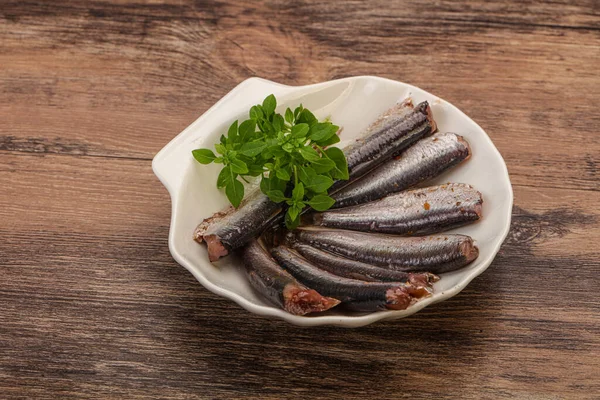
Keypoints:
pixel 352 103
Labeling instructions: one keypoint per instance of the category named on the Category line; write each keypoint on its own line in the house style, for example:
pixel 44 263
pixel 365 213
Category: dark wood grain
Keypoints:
pixel 93 305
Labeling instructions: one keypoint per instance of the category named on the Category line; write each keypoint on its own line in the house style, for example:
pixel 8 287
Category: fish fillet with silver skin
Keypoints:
pixel 422 211
pixel 436 253
pixel 358 270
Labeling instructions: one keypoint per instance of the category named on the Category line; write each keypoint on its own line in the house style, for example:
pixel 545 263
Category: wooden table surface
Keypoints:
pixel 93 306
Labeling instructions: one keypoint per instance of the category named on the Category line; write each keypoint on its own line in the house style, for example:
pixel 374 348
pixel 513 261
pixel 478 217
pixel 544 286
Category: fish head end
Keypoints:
pixel 397 298
pixel 419 291
pixel 427 109
pixel 301 301
pixel 216 249
pixel 469 250
pixel 424 279
pixel 478 208
pixel 199 233
pixel 467 146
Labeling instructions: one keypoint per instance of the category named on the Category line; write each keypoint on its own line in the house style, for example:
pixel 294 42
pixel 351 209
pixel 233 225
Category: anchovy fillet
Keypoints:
pixel 277 285
pixel 435 254
pixel 415 212
pixel 374 295
pixel 358 270
pixel 425 160
pixel 231 229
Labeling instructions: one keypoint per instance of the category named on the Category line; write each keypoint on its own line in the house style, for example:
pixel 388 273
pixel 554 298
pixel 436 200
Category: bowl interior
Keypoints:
pixel 352 104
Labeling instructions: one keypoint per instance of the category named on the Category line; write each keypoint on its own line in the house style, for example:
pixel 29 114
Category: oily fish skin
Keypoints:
pixel 228 230
pixel 435 253
pixel 415 212
pixel 358 270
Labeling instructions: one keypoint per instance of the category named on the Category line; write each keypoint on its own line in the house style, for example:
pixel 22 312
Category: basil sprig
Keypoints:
pixel 290 154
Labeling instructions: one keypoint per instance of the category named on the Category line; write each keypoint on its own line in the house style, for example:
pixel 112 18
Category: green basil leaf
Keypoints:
pixel 278 183
pixel 321 202
pixel 306 174
pixel 267 153
pixel 297 111
pixel 273 152
pixel 269 104
pixel 293 212
pixel 291 223
pixel 220 148
pixel 223 139
pixel 272 142
pixel 309 154
pixel 298 192
pixel 328 142
pixel 266 127
pixel 306 117
pixel 255 169
pixel 238 166
pixel 264 185
pixel 321 131
pixel 300 130
pixel 276 196
pixel 289 115
pixel 252 149
pixel 225 177
pixel 322 165
pixel 288 147
pixel 255 113
pixel 283 174
pixel 244 158
pixel 232 133
pixel 235 192
pixel 204 156
pixel 247 129
pixel 341 165
pixel 278 122
pixel 272 183
pixel 319 183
